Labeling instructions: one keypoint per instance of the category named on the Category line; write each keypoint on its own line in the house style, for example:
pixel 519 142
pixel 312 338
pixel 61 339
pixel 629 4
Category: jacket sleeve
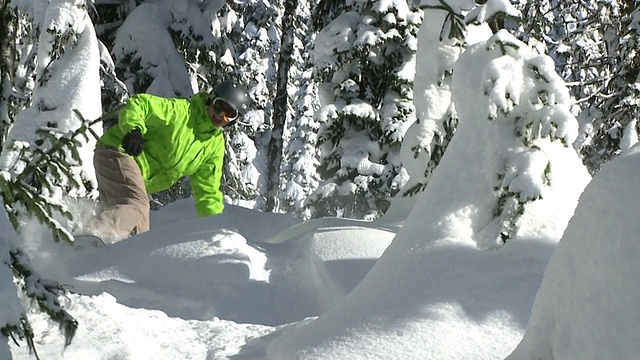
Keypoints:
pixel 134 113
pixel 205 184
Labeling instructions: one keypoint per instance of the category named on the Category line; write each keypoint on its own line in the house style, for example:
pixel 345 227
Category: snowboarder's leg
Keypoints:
pixel 122 189
pixel 143 225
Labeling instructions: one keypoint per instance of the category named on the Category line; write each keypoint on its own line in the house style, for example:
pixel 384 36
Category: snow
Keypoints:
pixel 151 20
pixel 482 13
pixel 587 307
pixel 335 38
pixel 204 287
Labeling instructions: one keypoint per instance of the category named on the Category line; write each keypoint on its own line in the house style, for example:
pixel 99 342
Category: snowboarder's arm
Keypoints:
pixel 205 184
pixel 134 113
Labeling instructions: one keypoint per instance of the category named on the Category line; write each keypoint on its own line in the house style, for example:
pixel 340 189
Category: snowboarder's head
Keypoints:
pixel 227 102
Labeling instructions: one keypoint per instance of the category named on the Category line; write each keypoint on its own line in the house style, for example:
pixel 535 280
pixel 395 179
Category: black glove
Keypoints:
pixel 132 143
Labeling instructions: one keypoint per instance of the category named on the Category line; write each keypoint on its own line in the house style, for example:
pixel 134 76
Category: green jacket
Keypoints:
pixel 179 140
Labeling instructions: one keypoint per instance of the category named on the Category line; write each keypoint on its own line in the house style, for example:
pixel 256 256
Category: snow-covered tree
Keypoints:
pixel 300 160
pixel 226 28
pixel 17 64
pixel 296 105
pixel 281 105
pixel 325 11
pixel 536 108
pixel 42 162
pixel 8 25
pixel 594 44
pixel 251 34
pixel 299 174
pixel 444 35
pixel 586 305
pixel 542 112
pixel 150 48
pixel 108 17
pixel 613 101
pixel 366 61
pixel 448 28
pixel 442 39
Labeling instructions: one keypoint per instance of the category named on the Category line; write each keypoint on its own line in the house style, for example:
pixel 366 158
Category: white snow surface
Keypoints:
pixel 160 296
pixel 587 306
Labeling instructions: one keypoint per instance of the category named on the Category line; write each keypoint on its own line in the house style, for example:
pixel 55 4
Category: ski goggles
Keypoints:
pixel 223 107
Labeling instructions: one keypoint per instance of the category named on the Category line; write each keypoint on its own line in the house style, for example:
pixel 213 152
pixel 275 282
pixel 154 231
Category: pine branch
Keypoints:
pixel 23 331
pixel 44 293
pixel 35 204
pixel 46 169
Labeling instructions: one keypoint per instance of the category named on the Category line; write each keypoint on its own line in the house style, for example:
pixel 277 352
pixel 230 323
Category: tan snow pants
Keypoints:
pixel 123 195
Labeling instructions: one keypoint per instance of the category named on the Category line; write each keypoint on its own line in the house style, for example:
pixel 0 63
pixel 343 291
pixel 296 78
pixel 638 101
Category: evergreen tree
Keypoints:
pixel 300 160
pixel 365 59
pixel 429 136
pixel 8 54
pixel 226 26
pixel 443 37
pixel 325 11
pixel 299 174
pixel 527 104
pixel 594 46
pixel 40 162
pixel 253 32
pixel 17 64
pixel 281 105
pixel 108 17
pixel 180 61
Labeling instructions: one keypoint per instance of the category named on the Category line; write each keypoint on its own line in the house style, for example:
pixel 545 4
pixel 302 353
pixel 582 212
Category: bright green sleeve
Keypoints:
pixel 205 184
pixel 134 113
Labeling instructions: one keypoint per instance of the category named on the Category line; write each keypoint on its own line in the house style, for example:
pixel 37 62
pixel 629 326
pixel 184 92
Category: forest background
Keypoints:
pixel 329 119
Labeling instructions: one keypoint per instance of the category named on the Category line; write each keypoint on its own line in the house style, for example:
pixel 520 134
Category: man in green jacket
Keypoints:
pixel 156 142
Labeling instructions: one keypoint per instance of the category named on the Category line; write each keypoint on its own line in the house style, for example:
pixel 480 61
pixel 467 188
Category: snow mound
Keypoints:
pixel 587 305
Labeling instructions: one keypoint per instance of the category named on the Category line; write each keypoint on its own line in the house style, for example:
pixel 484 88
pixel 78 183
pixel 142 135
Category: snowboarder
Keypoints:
pixel 156 142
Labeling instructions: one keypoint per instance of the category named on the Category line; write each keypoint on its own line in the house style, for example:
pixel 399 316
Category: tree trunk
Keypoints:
pixel 8 23
pixel 280 108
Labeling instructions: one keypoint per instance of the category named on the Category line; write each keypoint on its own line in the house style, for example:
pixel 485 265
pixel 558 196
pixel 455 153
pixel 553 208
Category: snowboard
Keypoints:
pixel 88 242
